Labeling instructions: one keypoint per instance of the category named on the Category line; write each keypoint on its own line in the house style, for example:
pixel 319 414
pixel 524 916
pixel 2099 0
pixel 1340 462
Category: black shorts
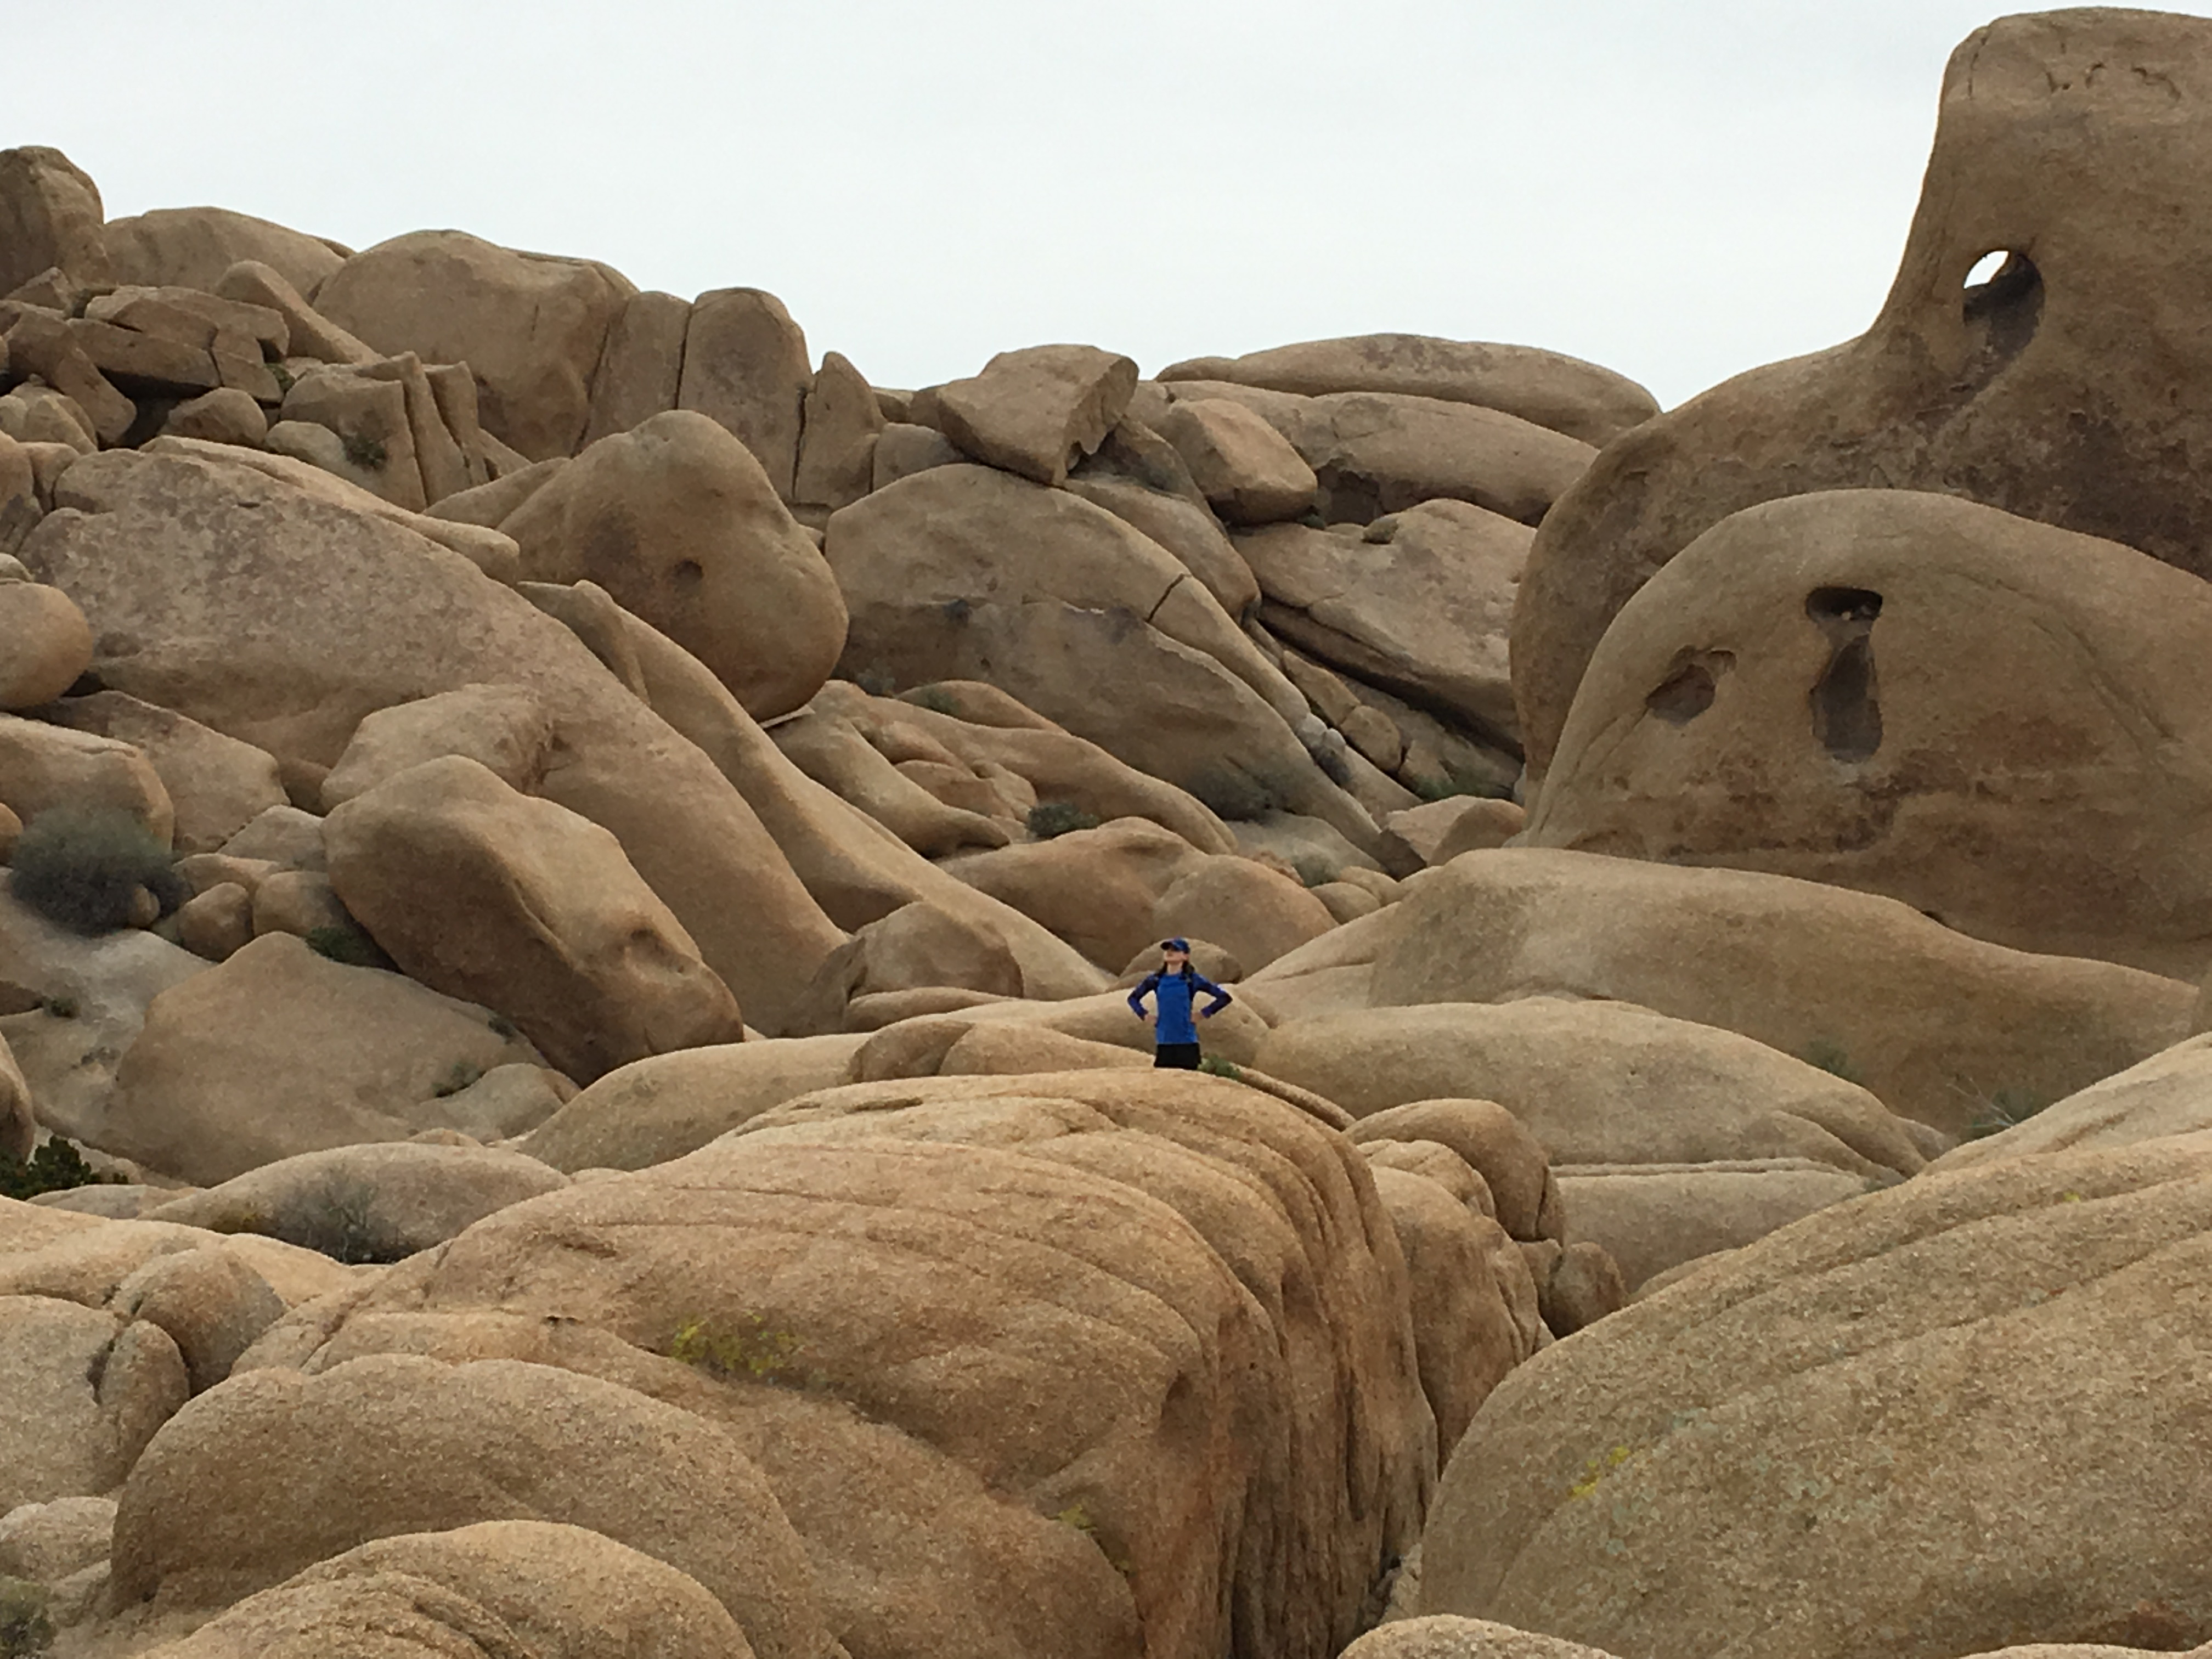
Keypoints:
pixel 1176 1056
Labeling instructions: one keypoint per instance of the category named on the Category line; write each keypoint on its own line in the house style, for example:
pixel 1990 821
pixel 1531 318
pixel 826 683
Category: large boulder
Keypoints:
pixel 968 573
pixel 1938 1026
pixel 278 1051
pixel 1596 1082
pixel 2046 391
pixel 1254 913
pixel 194 246
pixel 1247 471
pixel 1376 452
pixel 50 215
pixel 243 1490
pixel 1420 603
pixel 1920 696
pixel 45 767
pixel 1037 410
pixel 282 619
pixel 217 784
pixel 527 907
pixel 1548 388
pixel 45 644
pixel 530 326
pixel 1098 889
pixel 1649 1217
pixel 86 1389
pixel 1956 1414
pixel 497 1589
pixel 1101 1361
pixel 744 366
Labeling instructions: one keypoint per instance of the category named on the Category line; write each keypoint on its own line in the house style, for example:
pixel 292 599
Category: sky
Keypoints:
pixel 1680 190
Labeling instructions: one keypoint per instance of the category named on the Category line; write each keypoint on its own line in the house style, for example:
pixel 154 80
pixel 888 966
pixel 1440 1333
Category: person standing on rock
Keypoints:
pixel 1175 987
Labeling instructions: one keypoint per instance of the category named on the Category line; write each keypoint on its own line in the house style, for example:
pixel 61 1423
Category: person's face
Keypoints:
pixel 1173 960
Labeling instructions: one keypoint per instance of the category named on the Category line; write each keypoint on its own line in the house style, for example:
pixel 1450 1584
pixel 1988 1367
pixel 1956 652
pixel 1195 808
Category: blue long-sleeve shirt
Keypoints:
pixel 1175 992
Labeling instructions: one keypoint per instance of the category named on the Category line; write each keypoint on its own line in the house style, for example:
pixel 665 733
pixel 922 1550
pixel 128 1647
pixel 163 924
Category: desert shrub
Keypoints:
pixel 2007 1108
pixel 284 378
pixel 1049 818
pixel 1312 870
pixel 82 868
pixel 459 1076
pixel 1829 1056
pixel 349 945
pixel 338 1220
pixel 1214 1066
pixel 877 681
pixel 746 1349
pixel 24 1630
pixel 364 452
pixel 935 699
pixel 55 1167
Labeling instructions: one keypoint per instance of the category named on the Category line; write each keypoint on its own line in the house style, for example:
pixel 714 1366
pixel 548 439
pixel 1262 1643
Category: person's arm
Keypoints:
pixel 1221 998
pixel 1146 986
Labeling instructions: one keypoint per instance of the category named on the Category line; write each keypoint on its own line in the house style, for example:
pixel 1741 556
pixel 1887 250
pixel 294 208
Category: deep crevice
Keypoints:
pixel 1846 706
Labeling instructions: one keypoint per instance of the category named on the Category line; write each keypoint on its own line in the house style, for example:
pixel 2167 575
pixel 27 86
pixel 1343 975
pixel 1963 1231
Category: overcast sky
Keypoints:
pixel 1679 189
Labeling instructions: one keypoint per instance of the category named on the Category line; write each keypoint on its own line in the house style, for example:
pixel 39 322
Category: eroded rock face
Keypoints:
pixel 2046 392
pixel 1918 697
pixel 2013 1353
pixel 1186 1414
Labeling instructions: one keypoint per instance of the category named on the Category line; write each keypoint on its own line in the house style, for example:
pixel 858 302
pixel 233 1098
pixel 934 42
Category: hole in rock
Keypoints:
pixel 1846 709
pixel 2000 309
pixel 688 575
pixel 1688 691
pixel 1986 267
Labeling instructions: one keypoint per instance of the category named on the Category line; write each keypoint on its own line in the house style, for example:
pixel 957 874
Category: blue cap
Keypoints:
pixel 1182 944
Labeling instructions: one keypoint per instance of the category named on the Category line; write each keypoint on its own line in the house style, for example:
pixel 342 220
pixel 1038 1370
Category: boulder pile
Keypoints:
pixel 571 875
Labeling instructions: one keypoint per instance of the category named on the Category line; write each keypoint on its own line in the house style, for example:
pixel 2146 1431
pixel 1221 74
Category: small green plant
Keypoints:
pixel 82 868
pixel 55 1167
pixel 459 1076
pixel 1049 818
pixel 350 945
pixel 1827 1055
pixel 63 1008
pixel 937 700
pixel 1449 784
pixel 503 1028
pixel 284 378
pixel 877 681
pixel 748 1349
pixel 340 1221
pixel 1312 870
pixel 1076 1517
pixel 1214 1066
pixel 2007 1108
pixel 24 1630
pixel 364 452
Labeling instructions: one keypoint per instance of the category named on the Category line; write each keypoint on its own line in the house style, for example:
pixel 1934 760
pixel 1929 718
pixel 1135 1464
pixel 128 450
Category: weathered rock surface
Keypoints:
pixel 2168 1094
pixel 2013 1351
pixel 1938 1026
pixel 1246 470
pixel 529 326
pixel 746 367
pixel 1037 410
pixel 278 1051
pixel 86 1390
pixel 45 644
pixel 1652 1216
pixel 2044 392
pixel 46 767
pixel 1919 697
pixel 677 521
pixel 503 728
pixel 50 215
pixel 283 620
pixel 217 784
pixel 1548 388
pixel 194 246
pixel 1096 1246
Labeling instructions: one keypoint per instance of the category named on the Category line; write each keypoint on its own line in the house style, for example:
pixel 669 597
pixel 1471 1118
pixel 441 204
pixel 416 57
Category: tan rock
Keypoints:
pixel 42 344
pixel 1494 1143
pixel 679 525
pixel 192 247
pixel 2168 1094
pixel 902 450
pixel 217 921
pixel 526 907
pixel 422 1446
pixel 1247 470
pixel 834 752
pixel 653 1110
pixel 1186 529
pixel 285 836
pixel 641 367
pixel 307 332
pixel 554 1591
pixel 278 1051
pixel 50 215
pixel 211 1303
pixel 1443 1635
pixel 1375 453
pixel 321 615
pixel 530 326
pixel 370 416
pixel 45 644
pixel 1096 889
pixel 36 416
pixel 487 504
pixel 503 728
pixel 1938 1026
pixel 837 445
pixel 43 767
pixel 1250 911
pixel 225 415
pixel 1034 411
pixel 1971 744
pixel 86 1391
pixel 300 903
pixel 19 1126
pixel 217 784
pixel 1952 390
pixel 962 1512
pixel 1564 393
pixel 746 367
pixel 1851 1380
pixel 47 1542
pixel 1346 901
pixel 1651 1218
pixel 359 1204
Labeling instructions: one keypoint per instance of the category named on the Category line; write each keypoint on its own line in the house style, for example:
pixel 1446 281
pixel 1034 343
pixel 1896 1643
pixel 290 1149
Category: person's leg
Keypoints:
pixel 1176 1056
